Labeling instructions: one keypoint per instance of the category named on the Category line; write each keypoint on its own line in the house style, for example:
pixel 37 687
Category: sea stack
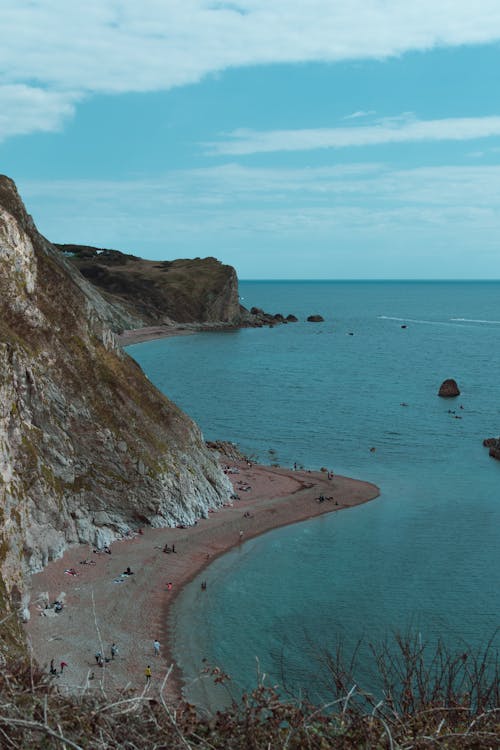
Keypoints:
pixel 449 389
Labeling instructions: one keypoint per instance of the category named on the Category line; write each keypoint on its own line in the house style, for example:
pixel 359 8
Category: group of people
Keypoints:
pixel 231 470
pixel 101 659
pixel 244 487
pixel 53 670
pixel 322 498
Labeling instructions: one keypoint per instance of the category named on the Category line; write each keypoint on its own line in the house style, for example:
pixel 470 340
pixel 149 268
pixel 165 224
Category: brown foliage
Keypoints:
pixel 34 714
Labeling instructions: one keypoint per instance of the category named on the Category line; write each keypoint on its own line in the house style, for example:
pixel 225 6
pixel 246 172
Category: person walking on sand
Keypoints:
pixel 114 650
pixel 156 647
pixel 147 673
pixel 62 665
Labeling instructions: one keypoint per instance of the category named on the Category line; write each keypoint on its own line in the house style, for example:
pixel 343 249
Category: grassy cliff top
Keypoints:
pixel 184 290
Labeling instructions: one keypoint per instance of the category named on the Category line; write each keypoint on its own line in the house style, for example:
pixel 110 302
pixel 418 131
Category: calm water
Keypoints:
pixel 425 555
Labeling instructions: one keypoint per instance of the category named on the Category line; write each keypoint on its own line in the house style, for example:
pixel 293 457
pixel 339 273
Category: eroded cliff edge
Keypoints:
pixel 197 291
pixel 88 446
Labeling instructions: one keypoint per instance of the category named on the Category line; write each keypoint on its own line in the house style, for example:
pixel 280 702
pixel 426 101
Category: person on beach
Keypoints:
pixel 169 586
pixel 53 670
pixel 147 673
pixel 156 647
pixel 241 535
pixel 114 650
pixel 62 665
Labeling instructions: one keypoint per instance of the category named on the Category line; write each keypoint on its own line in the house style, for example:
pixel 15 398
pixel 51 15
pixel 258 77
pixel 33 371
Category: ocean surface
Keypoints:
pixel 425 556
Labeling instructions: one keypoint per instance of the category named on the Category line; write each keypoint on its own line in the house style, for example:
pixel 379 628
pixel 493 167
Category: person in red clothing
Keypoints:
pixel 63 664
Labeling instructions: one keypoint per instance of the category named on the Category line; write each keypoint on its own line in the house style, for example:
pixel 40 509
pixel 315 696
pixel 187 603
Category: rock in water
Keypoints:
pixel 315 319
pixel 449 389
pixel 494 447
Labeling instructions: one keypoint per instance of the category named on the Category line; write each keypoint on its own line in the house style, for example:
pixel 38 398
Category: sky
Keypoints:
pixel 307 139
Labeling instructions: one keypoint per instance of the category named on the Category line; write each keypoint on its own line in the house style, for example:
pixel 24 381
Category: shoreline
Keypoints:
pixel 150 333
pixel 101 607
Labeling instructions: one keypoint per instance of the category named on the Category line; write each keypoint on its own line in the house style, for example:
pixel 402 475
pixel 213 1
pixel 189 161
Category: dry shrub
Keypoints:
pixel 449 702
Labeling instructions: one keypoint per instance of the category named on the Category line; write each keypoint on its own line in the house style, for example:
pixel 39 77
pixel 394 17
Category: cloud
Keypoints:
pixel 25 109
pixel 400 129
pixel 117 46
pixel 359 113
pixel 223 202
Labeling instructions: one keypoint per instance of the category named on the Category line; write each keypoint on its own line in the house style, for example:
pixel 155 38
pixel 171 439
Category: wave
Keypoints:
pixel 413 320
pixel 474 320
pixel 439 322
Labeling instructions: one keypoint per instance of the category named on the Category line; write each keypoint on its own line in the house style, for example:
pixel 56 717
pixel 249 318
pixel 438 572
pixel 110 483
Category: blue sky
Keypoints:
pixel 327 139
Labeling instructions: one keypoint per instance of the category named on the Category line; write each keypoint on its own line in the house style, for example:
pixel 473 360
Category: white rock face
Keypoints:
pixel 88 447
pixel 17 258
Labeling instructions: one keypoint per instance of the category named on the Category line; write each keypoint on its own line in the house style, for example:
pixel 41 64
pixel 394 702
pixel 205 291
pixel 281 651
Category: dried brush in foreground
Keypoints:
pixel 33 714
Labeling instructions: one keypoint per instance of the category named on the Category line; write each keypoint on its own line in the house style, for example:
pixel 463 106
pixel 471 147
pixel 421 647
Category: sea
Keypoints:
pixel 421 561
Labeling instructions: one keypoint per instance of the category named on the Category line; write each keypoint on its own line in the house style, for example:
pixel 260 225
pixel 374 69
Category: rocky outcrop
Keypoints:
pixel 315 319
pixel 88 447
pixel 449 389
pixel 227 450
pixel 257 318
pixel 493 444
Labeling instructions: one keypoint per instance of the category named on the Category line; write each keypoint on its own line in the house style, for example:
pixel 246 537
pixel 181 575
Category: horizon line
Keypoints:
pixel 374 281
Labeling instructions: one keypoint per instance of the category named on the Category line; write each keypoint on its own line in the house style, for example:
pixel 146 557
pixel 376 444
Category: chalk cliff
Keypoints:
pixel 88 447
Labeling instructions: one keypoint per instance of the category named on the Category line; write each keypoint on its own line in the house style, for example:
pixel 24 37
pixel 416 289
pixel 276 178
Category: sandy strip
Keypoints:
pixel 138 335
pixel 132 613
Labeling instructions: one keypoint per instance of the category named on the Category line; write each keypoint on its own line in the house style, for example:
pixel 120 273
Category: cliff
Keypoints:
pixel 88 447
pixel 202 290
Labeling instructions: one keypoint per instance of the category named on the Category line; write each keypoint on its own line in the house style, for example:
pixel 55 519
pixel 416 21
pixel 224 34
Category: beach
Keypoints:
pixel 102 606
pixel 149 333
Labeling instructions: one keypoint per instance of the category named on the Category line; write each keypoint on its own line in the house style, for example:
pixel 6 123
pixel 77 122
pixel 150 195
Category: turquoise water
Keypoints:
pixel 426 554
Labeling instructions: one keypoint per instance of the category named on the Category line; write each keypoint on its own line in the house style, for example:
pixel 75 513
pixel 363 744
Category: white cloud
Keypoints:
pixel 400 129
pixel 25 109
pixel 113 46
pixel 359 113
pixel 225 202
